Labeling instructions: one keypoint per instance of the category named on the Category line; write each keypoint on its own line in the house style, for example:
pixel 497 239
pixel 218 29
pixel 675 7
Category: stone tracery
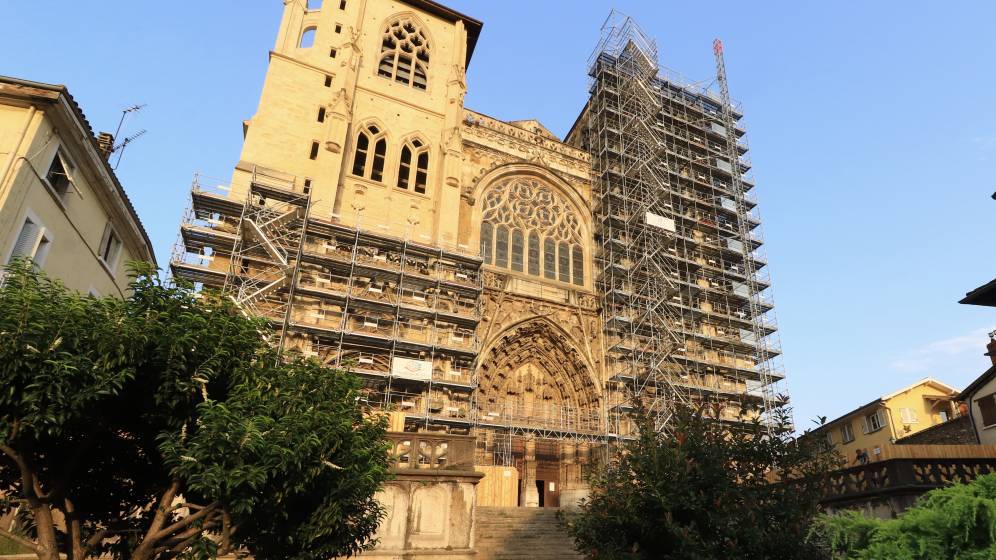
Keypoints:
pixel 528 204
pixel 526 223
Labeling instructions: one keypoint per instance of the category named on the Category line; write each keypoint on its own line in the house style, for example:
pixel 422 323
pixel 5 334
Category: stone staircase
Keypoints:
pixel 521 534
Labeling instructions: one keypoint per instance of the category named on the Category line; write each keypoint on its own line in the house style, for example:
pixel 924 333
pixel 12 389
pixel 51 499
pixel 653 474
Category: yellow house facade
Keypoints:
pixel 60 203
pixel 871 427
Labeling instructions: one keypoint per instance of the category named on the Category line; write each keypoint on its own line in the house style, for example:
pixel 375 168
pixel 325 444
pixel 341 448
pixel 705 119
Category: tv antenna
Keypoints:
pixel 124 144
pixel 120 147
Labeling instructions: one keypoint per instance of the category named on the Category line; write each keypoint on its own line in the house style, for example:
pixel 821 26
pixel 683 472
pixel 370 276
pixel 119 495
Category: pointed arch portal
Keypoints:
pixel 534 376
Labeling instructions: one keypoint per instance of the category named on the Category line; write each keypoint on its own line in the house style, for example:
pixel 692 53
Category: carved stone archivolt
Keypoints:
pixel 534 370
pixel 501 311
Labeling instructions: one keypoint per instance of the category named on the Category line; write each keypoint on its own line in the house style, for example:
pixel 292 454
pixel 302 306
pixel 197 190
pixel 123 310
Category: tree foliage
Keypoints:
pixel 164 425
pixel 956 523
pixel 705 490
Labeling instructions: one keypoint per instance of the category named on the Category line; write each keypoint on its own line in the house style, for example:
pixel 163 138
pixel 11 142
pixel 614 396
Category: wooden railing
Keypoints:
pixel 431 451
pixel 911 475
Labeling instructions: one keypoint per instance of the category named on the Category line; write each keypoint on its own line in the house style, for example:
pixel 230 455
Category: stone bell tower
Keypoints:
pixel 362 101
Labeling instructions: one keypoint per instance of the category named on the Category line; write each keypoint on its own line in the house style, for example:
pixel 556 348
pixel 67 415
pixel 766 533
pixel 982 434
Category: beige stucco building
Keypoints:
pixel 872 427
pixel 458 262
pixel 60 203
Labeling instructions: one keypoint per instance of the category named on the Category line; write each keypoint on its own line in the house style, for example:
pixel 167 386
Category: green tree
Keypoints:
pixel 164 425
pixel 953 523
pixel 705 490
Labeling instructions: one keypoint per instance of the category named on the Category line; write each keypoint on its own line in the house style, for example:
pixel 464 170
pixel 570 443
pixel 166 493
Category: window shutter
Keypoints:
pixel 908 415
pixel 864 424
pixel 27 239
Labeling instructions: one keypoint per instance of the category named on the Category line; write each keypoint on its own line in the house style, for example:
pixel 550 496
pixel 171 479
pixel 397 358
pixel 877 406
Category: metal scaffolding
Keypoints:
pixel 678 269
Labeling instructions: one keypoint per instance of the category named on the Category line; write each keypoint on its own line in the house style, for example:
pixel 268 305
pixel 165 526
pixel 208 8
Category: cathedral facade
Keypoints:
pixel 451 259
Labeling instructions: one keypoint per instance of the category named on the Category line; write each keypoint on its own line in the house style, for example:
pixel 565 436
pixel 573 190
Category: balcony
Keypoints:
pixel 431 451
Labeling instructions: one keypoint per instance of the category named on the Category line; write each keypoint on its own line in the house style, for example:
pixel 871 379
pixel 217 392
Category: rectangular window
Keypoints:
pixel 328 81
pixel 33 242
pixel 549 259
pixel 321 114
pixel 908 416
pixel 342 4
pixel 59 175
pixel 333 52
pixel 564 258
pixel 338 28
pixel 307 186
pixel 314 151
pixel 517 250
pixel 27 239
pixel 110 246
pixel 577 265
pixel 487 233
pixel 501 247
pixel 987 406
pixel 829 437
pixel 873 422
pixel 534 254
pixel 846 433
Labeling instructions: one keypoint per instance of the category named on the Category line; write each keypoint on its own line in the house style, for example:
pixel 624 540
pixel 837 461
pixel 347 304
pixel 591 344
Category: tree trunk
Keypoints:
pixel 77 551
pixel 146 548
pixel 48 548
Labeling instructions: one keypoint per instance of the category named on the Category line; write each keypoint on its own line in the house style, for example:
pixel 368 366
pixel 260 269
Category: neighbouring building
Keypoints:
pixel 980 395
pixel 60 202
pixel 895 470
pixel 873 426
pixel 484 276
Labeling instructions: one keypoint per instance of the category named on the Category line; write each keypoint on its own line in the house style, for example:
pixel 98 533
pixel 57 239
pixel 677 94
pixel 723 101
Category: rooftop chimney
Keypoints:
pixel 105 141
pixel 991 347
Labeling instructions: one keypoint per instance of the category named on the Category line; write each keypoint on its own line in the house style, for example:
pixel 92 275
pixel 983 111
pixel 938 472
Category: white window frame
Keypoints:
pixel 879 419
pixel 846 433
pixel 44 234
pixel 908 416
pixel 111 263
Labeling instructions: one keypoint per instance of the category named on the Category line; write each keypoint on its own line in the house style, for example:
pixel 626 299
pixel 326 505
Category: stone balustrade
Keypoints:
pixel 431 451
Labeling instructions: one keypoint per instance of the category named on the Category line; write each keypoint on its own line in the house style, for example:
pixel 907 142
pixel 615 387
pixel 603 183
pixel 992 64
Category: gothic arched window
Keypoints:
pixel 414 151
pixel 364 165
pixel 530 227
pixel 404 54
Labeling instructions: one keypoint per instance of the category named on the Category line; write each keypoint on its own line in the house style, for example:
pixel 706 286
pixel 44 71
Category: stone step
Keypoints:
pixel 521 534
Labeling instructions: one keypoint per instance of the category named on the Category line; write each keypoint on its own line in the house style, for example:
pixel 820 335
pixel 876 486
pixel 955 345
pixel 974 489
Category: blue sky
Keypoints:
pixel 872 129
